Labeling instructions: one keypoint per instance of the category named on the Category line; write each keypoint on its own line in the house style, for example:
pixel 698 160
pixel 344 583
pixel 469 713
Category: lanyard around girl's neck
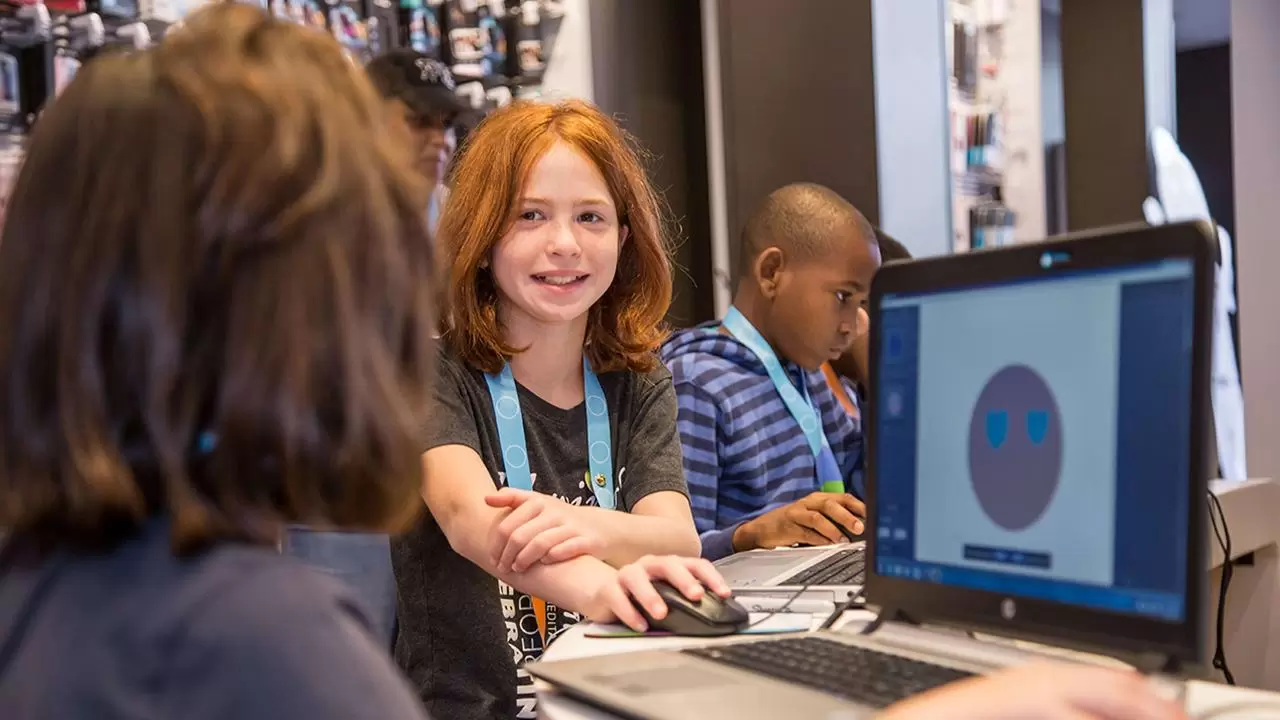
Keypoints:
pixel 515 453
pixel 800 406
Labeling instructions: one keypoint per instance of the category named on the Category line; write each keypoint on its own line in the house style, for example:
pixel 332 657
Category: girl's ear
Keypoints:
pixel 624 233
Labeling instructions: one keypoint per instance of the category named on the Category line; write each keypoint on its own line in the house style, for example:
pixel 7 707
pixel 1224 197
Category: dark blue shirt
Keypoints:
pixel 236 633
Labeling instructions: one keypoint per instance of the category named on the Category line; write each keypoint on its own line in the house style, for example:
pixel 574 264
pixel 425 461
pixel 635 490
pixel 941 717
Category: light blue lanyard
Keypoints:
pixel 830 479
pixel 515 456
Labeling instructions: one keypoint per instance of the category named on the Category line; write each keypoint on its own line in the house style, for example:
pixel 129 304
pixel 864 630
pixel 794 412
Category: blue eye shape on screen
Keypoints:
pixel 997 427
pixel 1037 425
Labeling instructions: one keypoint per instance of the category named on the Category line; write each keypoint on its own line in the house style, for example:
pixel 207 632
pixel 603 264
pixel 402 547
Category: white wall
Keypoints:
pixel 1159 60
pixel 1201 23
pixel 1255 99
pixel 569 72
pixel 1053 115
pixel 911 123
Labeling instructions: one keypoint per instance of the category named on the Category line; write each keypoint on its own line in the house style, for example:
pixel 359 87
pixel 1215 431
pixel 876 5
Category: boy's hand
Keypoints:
pixel 814 520
pixel 538 529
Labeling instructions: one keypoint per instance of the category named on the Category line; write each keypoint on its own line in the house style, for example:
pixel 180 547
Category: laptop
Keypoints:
pixel 1037 470
pixel 800 579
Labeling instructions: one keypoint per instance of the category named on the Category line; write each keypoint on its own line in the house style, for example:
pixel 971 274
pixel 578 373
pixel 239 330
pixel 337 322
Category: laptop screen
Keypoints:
pixel 1032 437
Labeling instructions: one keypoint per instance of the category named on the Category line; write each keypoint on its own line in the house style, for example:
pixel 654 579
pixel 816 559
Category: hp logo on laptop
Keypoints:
pixel 1052 259
pixel 1008 609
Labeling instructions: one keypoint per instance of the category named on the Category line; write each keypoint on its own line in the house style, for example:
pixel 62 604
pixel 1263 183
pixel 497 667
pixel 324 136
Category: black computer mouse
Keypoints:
pixel 709 617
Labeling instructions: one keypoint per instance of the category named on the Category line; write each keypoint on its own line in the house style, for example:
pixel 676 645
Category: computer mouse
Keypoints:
pixel 846 532
pixel 709 617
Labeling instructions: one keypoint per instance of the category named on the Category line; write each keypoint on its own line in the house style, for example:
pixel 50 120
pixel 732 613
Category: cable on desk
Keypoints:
pixel 853 602
pixel 769 616
pixel 1218 519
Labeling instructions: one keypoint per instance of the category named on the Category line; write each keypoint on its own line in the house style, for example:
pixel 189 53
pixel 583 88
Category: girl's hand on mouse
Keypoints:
pixel 618 600
pixel 538 529
pixel 1043 691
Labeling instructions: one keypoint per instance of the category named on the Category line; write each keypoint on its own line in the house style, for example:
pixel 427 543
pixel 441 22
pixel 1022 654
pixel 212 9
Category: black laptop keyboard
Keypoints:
pixel 847 671
pixel 846 568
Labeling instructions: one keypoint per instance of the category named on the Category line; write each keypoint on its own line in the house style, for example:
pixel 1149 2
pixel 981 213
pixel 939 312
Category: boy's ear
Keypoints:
pixel 768 267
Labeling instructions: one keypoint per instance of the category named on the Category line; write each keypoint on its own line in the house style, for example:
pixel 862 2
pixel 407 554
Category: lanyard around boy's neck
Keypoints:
pixel 800 406
pixel 515 453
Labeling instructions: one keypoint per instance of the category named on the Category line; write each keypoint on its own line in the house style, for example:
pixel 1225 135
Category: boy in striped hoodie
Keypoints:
pixel 771 455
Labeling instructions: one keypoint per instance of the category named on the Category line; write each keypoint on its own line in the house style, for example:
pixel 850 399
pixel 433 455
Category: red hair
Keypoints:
pixel 625 326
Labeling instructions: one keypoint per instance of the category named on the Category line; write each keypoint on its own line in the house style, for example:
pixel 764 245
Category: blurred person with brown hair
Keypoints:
pixel 552 460
pixel 215 319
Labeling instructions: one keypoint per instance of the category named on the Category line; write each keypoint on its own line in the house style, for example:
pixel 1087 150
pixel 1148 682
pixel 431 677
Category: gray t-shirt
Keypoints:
pixel 236 633
pixel 462 633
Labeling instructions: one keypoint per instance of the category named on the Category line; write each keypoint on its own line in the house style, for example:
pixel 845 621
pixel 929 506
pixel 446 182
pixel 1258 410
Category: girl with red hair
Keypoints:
pixel 556 487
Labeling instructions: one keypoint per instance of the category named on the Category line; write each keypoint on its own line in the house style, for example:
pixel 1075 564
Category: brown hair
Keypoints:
pixel 625 326
pixel 215 297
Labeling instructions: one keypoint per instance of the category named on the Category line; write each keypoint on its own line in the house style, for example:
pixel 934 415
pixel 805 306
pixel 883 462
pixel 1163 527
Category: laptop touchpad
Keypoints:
pixel 662 680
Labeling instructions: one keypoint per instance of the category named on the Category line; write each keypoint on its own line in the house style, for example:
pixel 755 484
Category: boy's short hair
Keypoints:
pixel 625 326
pixel 423 84
pixel 216 319
pixel 799 219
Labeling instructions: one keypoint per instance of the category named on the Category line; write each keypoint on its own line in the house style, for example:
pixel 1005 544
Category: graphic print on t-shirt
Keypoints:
pixel 532 623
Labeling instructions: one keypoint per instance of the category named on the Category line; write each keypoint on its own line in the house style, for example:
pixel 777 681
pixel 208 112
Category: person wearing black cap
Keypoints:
pixel 421 92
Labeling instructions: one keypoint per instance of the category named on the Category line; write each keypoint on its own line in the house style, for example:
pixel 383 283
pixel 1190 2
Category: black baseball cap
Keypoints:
pixel 425 85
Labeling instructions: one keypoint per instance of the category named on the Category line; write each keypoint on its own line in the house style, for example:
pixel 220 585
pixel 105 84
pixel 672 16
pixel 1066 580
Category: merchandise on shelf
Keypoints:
pixel 977 100
pixel 348 27
pixel 420 26
pixel 467 47
pixel 65 67
pixel 303 12
pixel 382 26
pixel 489 19
pixel 42 47
pixel 11 152
pixel 991 223
pixel 525 23
pixel 10 89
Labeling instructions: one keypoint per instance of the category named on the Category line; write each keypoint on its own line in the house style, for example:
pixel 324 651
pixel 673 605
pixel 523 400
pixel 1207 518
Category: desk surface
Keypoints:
pixel 1205 701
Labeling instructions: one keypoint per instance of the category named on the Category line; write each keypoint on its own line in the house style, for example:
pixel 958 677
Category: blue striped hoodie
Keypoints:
pixel 743 452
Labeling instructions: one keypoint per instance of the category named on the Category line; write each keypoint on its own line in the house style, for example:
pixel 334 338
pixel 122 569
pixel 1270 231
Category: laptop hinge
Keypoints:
pixel 888 614
pixel 1148 663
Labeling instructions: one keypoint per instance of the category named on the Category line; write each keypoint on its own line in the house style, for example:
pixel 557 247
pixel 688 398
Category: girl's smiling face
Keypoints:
pixel 560 254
